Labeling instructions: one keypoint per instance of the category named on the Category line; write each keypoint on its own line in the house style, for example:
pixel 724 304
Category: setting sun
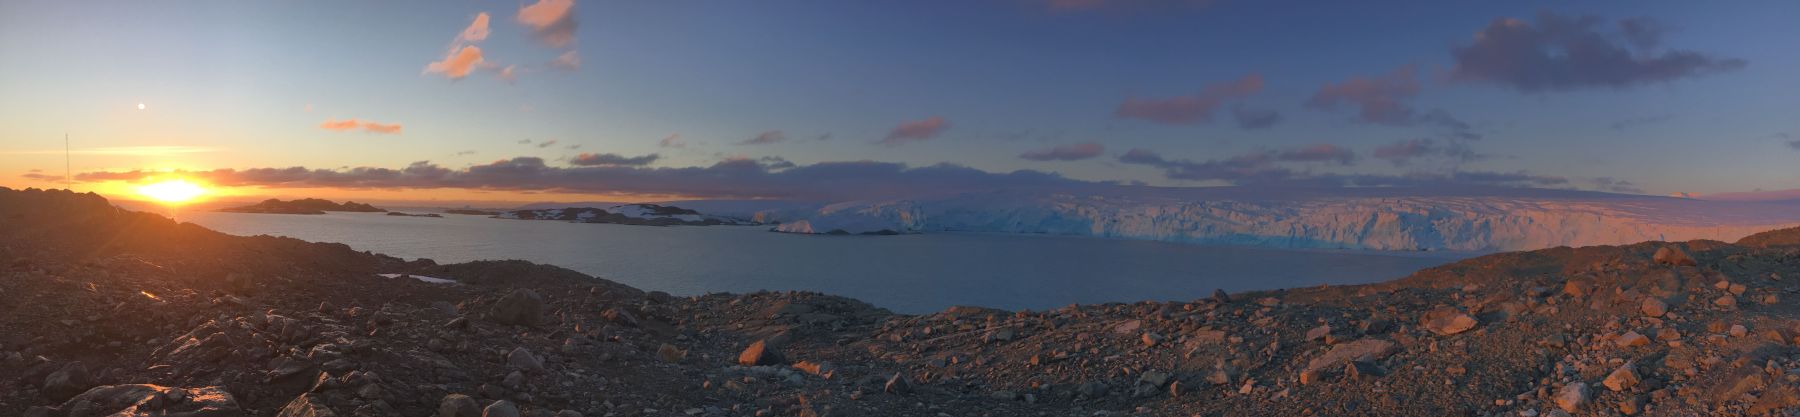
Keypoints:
pixel 172 191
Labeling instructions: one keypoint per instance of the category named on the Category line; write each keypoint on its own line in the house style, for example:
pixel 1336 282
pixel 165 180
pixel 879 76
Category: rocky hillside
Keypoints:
pixel 303 206
pixel 109 312
pixel 629 214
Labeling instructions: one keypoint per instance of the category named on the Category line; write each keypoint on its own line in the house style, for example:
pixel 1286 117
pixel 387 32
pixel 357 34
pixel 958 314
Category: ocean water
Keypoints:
pixel 909 273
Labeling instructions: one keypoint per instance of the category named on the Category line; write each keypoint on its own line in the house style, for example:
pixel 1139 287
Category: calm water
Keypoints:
pixel 911 273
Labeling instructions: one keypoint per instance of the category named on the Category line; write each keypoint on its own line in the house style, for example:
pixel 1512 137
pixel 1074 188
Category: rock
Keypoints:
pixel 1571 397
pixel 1630 339
pixel 502 408
pixel 1447 321
pixel 1220 296
pixel 1622 378
pixel 759 353
pixel 1150 339
pixel 1654 307
pixel 67 382
pixel 1727 301
pixel 523 360
pixel 1670 255
pixel 1365 350
pixel 458 405
pixel 1318 332
pixel 152 400
pixel 521 307
pixel 1738 330
pixel 1092 389
pixel 671 354
pixel 306 405
pixel 897 384
pixel 1359 370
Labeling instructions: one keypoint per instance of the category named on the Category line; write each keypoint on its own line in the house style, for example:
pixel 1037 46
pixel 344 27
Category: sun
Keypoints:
pixel 172 191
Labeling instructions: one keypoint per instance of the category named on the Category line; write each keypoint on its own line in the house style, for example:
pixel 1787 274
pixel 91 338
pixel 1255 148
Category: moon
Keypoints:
pixel 140 106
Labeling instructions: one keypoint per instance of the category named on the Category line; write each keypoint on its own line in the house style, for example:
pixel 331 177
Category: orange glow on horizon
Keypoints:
pixel 173 191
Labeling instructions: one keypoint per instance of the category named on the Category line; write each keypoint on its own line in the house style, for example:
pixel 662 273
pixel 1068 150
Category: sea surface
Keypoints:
pixel 909 273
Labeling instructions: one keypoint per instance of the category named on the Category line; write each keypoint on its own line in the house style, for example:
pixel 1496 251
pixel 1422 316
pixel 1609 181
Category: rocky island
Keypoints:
pixel 472 212
pixel 303 206
pixel 400 214
pixel 105 311
pixel 630 214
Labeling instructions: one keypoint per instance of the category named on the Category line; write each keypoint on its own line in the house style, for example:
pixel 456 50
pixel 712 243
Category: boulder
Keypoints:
pixel 502 408
pixel 1673 256
pixel 67 382
pixel 1364 350
pixel 142 400
pixel 522 307
pixel 1448 321
pixel 306 405
pixel 759 353
pixel 523 360
pixel 897 384
pixel 458 405
pixel 1654 307
pixel 1621 379
pixel 1571 397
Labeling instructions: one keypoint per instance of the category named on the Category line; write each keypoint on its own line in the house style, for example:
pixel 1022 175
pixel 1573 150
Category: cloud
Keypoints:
pixel 671 141
pixel 1318 153
pixel 764 138
pixel 458 63
pixel 612 159
pixel 731 178
pixel 1794 144
pixel 38 175
pixel 477 30
pixel 1404 152
pixel 1249 118
pixel 546 144
pixel 510 73
pixel 1073 152
pixel 915 131
pixel 1640 121
pixel 1378 99
pixel 569 61
pixel 523 141
pixel 551 21
pixel 465 153
pixel 1610 184
pixel 1189 109
pixel 366 126
pixel 1561 53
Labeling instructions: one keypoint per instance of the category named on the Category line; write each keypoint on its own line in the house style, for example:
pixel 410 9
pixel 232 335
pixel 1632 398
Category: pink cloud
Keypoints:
pixel 1190 109
pixel 477 30
pixel 1379 99
pixel 366 126
pixel 914 131
pixel 764 138
pixel 567 61
pixel 551 21
pixel 458 64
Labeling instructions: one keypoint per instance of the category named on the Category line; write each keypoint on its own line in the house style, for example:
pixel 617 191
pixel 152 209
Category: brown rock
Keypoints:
pixel 759 353
pixel 1631 338
pixel 458 405
pixel 1448 321
pixel 153 400
pixel 1654 307
pixel 1571 397
pixel 67 382
pixel 1670 255
pixel 1622 379
pixel 306 405
pixel 671 354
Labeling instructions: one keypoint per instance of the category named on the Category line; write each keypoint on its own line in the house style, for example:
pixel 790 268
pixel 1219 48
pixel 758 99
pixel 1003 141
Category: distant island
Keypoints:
pixel 629 214
pixel 303 206
pixel 396 213
pixel 472 212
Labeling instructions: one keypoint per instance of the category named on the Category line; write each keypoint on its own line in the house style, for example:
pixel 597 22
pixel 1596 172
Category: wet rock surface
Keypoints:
pixel 109 312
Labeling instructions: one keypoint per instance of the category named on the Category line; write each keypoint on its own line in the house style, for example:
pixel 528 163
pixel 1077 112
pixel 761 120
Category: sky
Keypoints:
pixel 584 100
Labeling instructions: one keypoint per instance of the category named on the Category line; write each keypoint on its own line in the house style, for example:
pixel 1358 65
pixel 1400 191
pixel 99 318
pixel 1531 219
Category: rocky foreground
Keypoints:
pixel 105 312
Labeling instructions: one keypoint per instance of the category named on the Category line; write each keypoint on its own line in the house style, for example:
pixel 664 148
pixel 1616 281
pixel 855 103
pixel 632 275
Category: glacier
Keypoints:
pixel 1374 219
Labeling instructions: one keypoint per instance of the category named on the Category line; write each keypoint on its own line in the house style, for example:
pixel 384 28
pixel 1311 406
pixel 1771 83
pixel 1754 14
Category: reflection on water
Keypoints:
pixel 910 273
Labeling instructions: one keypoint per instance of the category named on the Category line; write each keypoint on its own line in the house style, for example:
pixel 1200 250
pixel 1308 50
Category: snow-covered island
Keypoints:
pixel 630 214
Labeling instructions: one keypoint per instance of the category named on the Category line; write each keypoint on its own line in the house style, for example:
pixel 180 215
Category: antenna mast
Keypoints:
pixel 68 171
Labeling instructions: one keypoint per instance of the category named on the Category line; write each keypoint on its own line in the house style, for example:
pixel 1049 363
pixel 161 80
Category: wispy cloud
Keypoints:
pixel 1189 109
pixel 366 126
pixel 546 144
pixel 463 56
pixel 1074 152
pixel 1384 99
pixel 673 140
pixel 612 159
pixel 569 61
pixel 764 138
pixel 915 131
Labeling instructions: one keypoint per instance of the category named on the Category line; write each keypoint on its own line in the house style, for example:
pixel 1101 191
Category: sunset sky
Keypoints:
pixel 510 101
